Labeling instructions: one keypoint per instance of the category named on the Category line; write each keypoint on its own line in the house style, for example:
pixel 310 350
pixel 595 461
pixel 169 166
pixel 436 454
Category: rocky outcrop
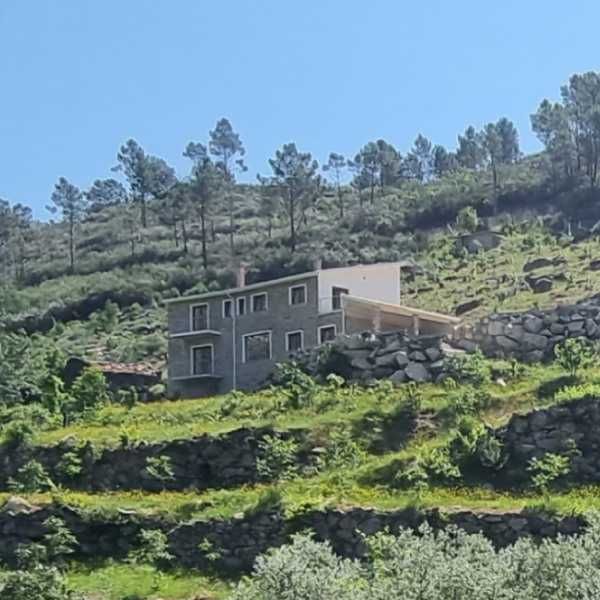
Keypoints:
pixel 232 545
pixel 532 335
pixel 208 461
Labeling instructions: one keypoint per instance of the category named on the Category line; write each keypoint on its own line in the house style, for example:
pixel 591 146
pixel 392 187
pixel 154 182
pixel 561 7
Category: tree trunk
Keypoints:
pixel 203 229
pixel 71 245
pixel 184 236
pixel 143 209
pixel 292 224
pixel 231 221
pixel 340 201
pixel 175 233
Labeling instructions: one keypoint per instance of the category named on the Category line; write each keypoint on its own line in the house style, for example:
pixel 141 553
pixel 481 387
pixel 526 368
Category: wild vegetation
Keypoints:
pixel 92 283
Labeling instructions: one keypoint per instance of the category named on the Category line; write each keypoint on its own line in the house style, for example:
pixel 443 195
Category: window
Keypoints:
pixel 298 294
pixel 227 309
pixel 202 360
pixel 257 346
pixel 259 302
pixel 241 306
pixel 199 317
pixel 326 333
pixel 336 297
pixel 294 341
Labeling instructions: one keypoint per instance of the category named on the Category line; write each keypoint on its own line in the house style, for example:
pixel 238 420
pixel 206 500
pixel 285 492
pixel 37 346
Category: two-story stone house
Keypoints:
pixel 231 339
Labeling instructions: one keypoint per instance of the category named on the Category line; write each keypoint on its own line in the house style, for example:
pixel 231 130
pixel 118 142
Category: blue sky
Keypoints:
pixel 79 77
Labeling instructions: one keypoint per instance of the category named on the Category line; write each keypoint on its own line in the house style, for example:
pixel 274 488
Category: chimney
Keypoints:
pixel 318 264
pixel 241 275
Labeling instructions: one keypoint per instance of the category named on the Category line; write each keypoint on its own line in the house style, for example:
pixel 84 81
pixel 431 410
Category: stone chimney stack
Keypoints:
pixel 317 264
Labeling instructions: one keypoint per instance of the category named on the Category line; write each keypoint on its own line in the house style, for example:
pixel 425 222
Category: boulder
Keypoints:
pixel 495 328
pixel 506 343
pixel 595 265
pixel 16 505
pixel 417 356
pixel 538 263
pixel 467 306
pixel 361 363
pixel 535 341
pixel 433 353
pixel 539 285
pixel 398 377
pixel 533 324
pixel 417 372
pixel 401 359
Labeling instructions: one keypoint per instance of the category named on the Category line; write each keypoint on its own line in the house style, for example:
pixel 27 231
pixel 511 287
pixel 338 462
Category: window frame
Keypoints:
pixel 237 306
pixel 287 340
pixel 338 297
pixel 212 360
pixel 232 306
pixel 290 295
pixel 191 316
pixel 268 332
pixel 328 326
pixel 266 295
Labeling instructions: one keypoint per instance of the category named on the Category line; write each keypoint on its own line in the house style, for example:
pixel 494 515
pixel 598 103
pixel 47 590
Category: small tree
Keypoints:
pixel 71 203
pixel 467 219
pixel 573 354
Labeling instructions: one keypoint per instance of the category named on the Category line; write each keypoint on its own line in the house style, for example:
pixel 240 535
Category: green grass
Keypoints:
pixel 160 421
pixel 115 581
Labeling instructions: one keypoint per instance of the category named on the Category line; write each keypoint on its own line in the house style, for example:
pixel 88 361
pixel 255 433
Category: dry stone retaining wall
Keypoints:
pixel 231 545
pixel 559 429
pixel 532 335
pixel 207 461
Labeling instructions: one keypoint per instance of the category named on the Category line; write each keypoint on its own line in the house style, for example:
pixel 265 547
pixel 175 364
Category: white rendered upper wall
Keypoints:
pixel 375 282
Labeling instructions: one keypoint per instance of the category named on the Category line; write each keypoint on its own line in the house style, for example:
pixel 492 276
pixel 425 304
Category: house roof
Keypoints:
pixel 289 279
pixel 368 306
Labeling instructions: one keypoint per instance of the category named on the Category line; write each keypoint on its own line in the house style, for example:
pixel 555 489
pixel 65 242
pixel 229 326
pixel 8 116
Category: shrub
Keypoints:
pixel 160 468
pixel 467 220
pixel 277 460
pixel 153 548
pixel 341 451
pixel 545 471
pixel 578 392
pixel 298 387
pixel 573 354
pixel 31 477
pixel 445 565
pixel 88 392
pixel 469 368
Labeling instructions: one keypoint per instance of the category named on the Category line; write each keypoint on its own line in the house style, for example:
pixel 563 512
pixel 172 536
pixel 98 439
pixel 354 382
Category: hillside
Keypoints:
pixel 117 497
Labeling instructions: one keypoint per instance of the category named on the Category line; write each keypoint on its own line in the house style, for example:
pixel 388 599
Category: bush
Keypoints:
pixel 573 354
pixel 445 565
pixel 88 393
pixel 277 460
pixel 469 368
pixel 31 477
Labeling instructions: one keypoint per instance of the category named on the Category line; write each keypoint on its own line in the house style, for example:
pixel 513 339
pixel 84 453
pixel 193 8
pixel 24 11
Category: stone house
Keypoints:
pixel 231 339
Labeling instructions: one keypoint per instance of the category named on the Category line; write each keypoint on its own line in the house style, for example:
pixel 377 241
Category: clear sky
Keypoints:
pixel 79 77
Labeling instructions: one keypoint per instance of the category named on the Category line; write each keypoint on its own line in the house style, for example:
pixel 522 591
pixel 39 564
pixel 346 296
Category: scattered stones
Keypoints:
pixel 467 306
pixel 539 285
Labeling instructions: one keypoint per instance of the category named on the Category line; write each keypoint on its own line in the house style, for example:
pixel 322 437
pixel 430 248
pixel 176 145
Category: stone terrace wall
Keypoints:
pixel 207 461
pixel 237 542
pixel 532 335
pixel 555 430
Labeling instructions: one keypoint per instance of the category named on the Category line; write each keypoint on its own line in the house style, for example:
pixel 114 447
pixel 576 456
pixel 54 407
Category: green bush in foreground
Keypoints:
pixel 447 565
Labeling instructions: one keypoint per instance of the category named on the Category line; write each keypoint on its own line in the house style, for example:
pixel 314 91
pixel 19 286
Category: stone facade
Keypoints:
pixel 279 319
